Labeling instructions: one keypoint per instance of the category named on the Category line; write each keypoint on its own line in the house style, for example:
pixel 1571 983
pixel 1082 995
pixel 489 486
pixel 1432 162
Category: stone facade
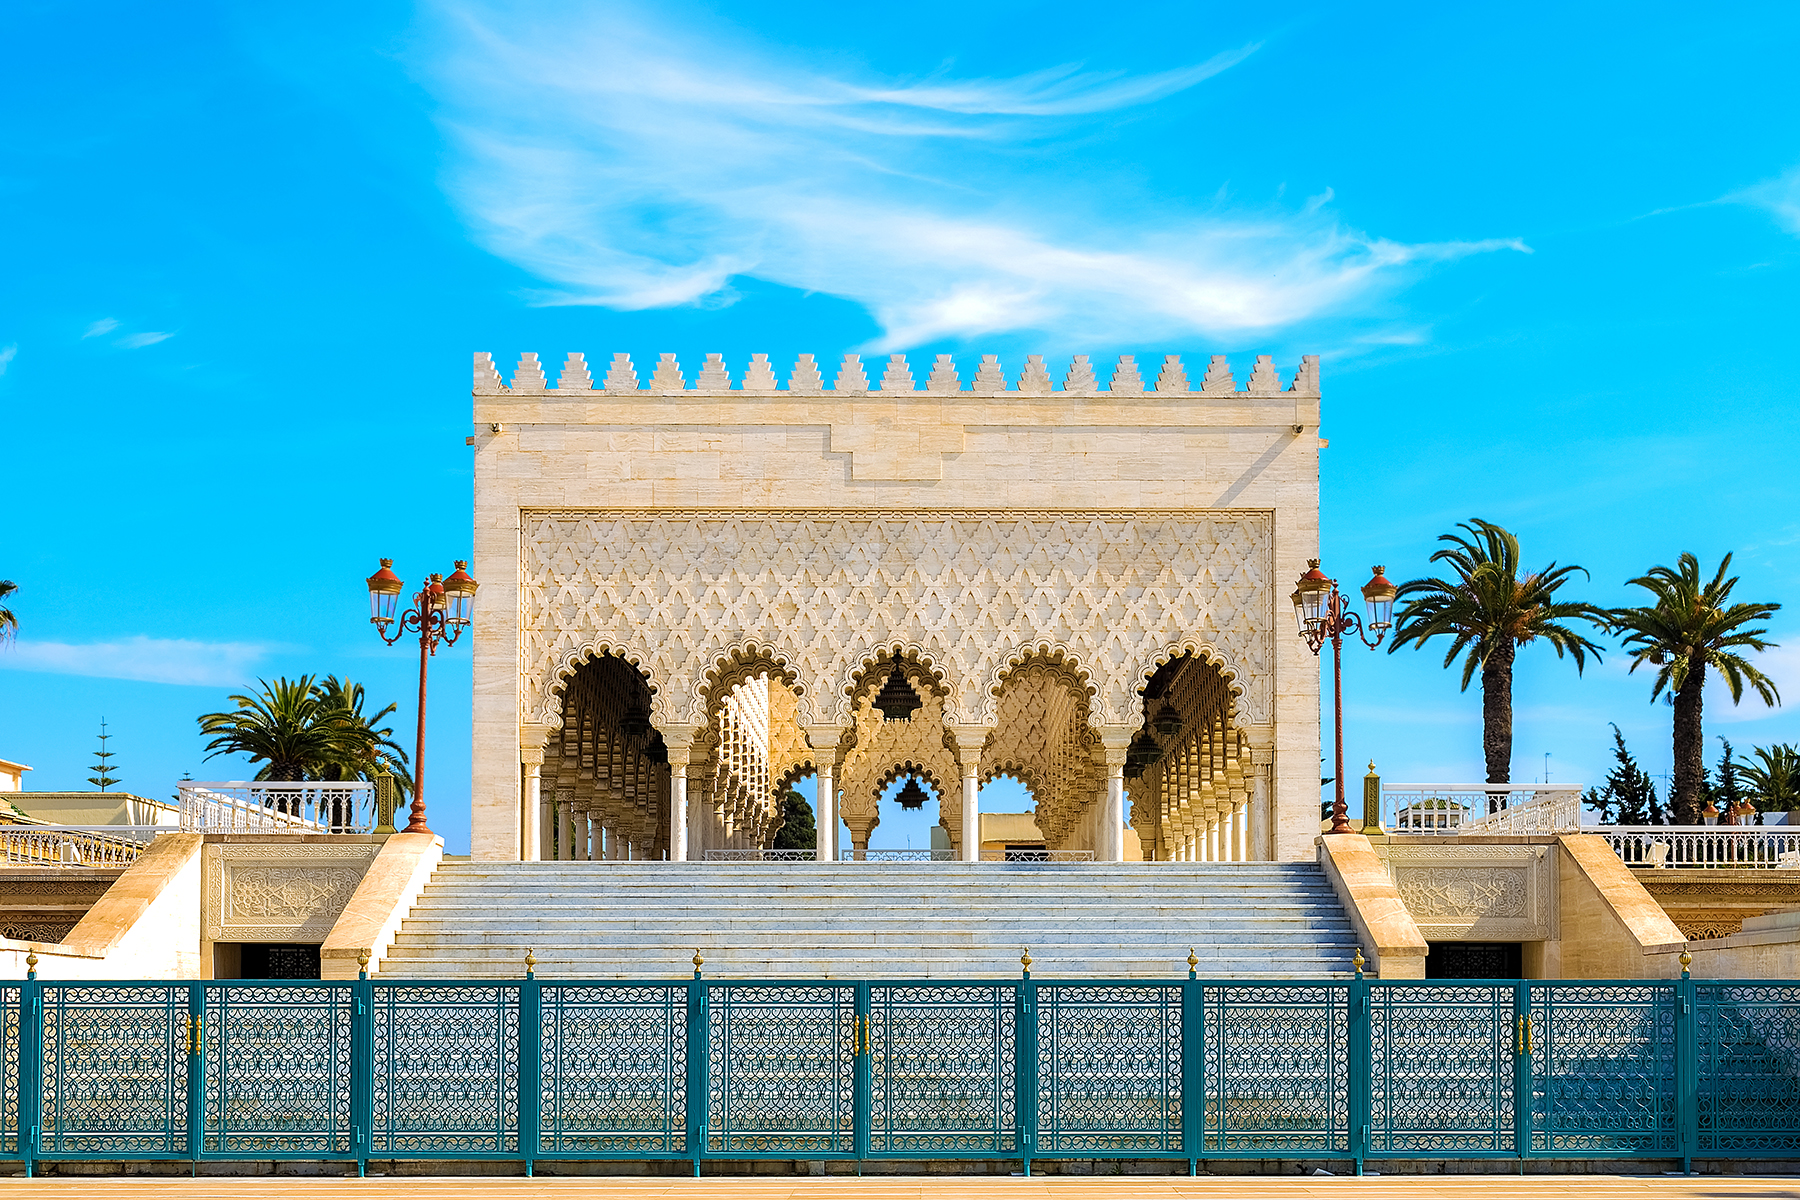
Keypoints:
pixel 698 590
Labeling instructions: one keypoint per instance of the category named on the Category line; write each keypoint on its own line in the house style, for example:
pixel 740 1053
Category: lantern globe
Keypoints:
pixel 1312 594
pixel 460 590
pixel 434 592
pixel 1379 595
pixel 384 594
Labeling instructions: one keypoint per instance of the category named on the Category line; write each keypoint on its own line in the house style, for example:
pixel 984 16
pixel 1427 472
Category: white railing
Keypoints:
pixel 268 807
pixel 1703 845
pixel 897 856
pixel 75 845
pixel 1478 808
pixel 1035 855
pixel 756 855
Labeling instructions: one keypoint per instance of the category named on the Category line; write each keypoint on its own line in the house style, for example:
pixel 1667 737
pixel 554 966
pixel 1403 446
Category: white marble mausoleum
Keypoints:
pixel 694 591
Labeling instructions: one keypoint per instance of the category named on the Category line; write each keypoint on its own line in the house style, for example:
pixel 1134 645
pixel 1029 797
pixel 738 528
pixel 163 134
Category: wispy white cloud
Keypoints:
pixel 1781 664
pixel 7 354
pixel 138 341
pixel 632 168
pixel 1779 197
pixel 152 660
pixel 102 326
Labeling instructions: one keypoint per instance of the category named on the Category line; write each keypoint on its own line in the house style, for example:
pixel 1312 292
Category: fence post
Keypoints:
pixel 1524 1081
pixel 31 1065
pixel 862 1062
pixel 362 1065
pixel 1687 1065
pixel 1193 1066
pixel 1026 1080
pixel 531 1063
pixel 1357 1063
pixel 196 1072
pixel 697 1060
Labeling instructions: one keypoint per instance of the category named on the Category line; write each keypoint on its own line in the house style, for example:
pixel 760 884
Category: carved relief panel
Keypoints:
pixel 280 893
pixel 1477 893
pixel 966 592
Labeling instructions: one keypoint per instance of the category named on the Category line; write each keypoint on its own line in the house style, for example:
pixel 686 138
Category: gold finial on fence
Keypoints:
pixel 1687 960
pixel 1193 962
pixel 31 962
pixel 530 965
pixel 698 962
pixel 1025 961
pixel 362 963
pixel 1356 961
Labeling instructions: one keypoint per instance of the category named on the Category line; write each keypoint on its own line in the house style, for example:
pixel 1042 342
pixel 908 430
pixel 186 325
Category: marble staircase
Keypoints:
pixel 628 920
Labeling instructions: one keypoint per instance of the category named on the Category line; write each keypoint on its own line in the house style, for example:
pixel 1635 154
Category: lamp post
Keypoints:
pixel 441 610
pixel 1324 617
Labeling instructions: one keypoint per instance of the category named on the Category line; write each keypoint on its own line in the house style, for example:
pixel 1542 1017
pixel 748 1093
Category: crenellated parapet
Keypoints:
pixel 896 376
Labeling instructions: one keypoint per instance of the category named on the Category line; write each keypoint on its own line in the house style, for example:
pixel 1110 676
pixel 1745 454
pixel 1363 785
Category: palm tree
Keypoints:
pixel 1489 611
pixel 1772 774
pixel 1689 628
pixel 373 751
pixel 289 725
pixel 9 624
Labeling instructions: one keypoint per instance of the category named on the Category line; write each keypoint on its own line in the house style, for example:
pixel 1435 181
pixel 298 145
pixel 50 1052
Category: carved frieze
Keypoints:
pixel 280 893
pixel 967 593
pixel 1477 893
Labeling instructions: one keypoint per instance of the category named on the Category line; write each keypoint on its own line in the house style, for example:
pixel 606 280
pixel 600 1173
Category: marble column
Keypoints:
pixel 531 806
pixel 824 741
pixel 970 739
pixel 1109 845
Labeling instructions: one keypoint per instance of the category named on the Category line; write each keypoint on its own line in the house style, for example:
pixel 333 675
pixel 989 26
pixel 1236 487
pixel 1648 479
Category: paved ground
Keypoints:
pixel 1490 1187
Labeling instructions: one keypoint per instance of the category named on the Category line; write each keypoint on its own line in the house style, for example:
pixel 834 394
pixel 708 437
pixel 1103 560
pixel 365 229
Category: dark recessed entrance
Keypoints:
pixel 1473 960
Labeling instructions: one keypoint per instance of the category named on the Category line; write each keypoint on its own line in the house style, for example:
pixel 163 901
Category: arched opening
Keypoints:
pixel 1009 828
pixel 1042 740
pixel 909 819
pixel 605 778
pixel 1188 775
pixel 744 760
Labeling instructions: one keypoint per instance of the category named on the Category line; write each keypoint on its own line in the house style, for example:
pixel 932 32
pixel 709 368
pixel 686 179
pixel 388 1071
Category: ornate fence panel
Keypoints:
pixel 276 1074
pixel 781 1070
pixel 1017 1069
pixel 1748 1069
pixel 612 1079
pixel 1602 1069
pixel 1442 1066
pixel 1109 1078
pixel 943 1063
pixel 1276 1063
pixel 446 1071
pixel 114 1071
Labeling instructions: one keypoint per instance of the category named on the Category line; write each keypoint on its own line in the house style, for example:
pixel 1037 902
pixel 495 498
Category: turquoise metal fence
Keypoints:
pixel 1019 1070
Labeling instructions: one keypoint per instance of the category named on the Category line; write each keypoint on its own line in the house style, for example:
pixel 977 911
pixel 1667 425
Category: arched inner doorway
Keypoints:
pixel 605 779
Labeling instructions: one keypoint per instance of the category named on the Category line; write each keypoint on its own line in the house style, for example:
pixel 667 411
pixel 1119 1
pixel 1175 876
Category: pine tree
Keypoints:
pixel 798 830
pixel 1728 792
pixel 1629 796
pixel 103 776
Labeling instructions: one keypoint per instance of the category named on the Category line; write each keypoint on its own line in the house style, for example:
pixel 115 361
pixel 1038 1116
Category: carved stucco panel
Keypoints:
pixel 966 592
pixel 280 893
pixel 1478 893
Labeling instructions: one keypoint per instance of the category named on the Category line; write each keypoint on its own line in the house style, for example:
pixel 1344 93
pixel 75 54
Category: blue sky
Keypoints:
pixel 1549 255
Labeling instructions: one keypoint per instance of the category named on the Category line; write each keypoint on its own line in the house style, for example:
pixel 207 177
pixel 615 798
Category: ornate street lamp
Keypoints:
pixel 1323 616
pixel 441 610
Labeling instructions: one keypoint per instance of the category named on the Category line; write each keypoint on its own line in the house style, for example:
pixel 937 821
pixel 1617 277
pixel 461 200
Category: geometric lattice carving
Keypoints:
pixel 280 893
pixel 967 593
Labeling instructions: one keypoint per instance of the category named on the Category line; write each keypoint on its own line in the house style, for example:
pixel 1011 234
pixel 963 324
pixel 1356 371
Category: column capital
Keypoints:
pixel 532 736
pixel 1262 756
pixel 824 740
pixel 531 758
pixel 1115 740
pixel 969 740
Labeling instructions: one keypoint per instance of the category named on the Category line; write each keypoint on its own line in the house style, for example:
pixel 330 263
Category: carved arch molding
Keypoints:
pixel 678 590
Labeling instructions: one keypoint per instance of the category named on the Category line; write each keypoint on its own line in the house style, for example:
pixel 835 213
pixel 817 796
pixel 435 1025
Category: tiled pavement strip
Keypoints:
pixel 1438 1187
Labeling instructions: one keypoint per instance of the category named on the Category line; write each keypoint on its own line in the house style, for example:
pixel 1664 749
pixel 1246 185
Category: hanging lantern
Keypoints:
pixel 912 797
pixel 1166 722
pixel 635 723
pixel 657 751
pixel 1143 751
pixel 897 700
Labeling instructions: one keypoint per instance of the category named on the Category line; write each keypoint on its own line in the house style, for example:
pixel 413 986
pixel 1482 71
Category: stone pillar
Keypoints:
pixel 1109 846
pixel 824 741
pixel 565 830
pixel 531 805
pixel 969 741
pixel 1262 805
pixel 679 739
pixel 593 835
